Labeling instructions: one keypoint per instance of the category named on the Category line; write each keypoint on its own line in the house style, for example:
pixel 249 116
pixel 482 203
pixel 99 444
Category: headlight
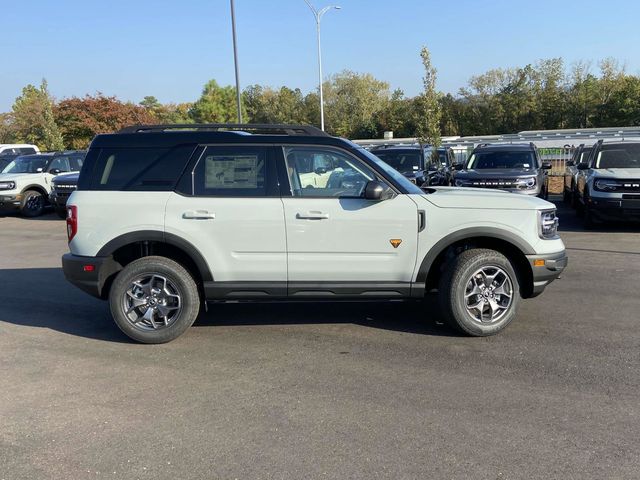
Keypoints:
pixel 526 183
pixel 7 185
pixel 606 185
pixel 547 224
pixel 463 183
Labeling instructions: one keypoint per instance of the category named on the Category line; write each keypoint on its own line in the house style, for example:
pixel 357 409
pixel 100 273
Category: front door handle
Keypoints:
pixel 198 215
pixel 312 216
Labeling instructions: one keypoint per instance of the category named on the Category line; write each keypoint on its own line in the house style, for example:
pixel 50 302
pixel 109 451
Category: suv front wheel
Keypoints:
pixel 32 204
pixel 479 292
pixel 154 300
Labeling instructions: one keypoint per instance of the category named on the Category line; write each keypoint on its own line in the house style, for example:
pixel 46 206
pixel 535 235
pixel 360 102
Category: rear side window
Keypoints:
pixel 27 150
pixel 138 169
pixel 233 171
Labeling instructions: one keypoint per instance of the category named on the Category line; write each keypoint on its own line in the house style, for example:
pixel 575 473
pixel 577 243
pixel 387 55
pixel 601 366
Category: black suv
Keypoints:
pixel 417 163
pixel 516 168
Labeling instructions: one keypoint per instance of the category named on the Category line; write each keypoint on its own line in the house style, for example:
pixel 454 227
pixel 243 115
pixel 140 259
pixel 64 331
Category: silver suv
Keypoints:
pixel 609 183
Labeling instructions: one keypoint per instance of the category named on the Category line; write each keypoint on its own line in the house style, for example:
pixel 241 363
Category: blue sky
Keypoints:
pixel 171 48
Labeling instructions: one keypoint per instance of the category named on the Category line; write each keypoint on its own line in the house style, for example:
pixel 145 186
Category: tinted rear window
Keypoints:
pixel 137 169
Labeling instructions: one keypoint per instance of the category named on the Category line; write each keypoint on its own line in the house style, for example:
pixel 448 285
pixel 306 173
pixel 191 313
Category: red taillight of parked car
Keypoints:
pixel 72 221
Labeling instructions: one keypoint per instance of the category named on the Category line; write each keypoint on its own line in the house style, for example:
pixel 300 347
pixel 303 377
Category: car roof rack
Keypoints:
pixel 258 128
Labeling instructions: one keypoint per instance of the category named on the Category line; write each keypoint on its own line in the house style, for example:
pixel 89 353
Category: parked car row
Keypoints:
pixel 27 181
pixel 513 167
pixel 603 182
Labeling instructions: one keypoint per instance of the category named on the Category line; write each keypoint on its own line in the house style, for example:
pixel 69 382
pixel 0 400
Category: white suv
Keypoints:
pixel 166 218
pixel 25 182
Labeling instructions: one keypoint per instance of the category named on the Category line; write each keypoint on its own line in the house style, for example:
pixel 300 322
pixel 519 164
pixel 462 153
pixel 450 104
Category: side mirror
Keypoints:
pixel 39 170
pixel 547 166
pixel 320 170
pixel 570 163
pixel 458 166
pixel 583 166
pixel 55 171
pixel 432 167
pixel 376 191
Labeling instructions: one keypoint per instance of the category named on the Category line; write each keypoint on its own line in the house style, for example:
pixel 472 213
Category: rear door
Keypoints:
pixel 338 241
pixel 231 211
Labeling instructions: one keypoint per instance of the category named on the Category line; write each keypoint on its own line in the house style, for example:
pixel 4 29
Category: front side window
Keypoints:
pixel 501 160
pixel 324 172
pixel 61 164
pixel 619 156
pixel 231 172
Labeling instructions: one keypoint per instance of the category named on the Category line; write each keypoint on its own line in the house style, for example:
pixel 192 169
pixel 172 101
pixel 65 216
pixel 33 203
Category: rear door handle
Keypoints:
pixel 312 216
pixel 198 215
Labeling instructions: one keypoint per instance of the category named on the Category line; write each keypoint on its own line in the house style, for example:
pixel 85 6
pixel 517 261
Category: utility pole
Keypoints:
pixel 235 60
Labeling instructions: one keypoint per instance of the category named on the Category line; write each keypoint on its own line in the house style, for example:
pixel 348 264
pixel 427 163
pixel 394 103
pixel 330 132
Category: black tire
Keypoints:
pixel 61 212
pixel 566 196
pixel 32 203
pixel 574 197
pixel 459 276
pixel 182 285
pixel 588 220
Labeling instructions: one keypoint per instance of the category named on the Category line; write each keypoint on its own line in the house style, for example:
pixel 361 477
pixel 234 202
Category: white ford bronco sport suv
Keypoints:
pixel 166 218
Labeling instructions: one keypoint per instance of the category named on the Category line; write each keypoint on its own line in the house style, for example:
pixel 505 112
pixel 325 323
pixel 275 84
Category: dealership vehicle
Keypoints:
pixel 516 168
pixel 608 184
pixel 62 186
pixel 580 156
pixel 10 151
pixel 417 163
pixel 166 218
pixel 25 183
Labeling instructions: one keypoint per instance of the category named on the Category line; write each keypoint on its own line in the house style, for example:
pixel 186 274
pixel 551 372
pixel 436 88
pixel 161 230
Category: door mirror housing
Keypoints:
pixel 458 166
pixel 547 166
pixel 321 170
pixel 583 166
pixel 377 191
pixel 570 163
pixel 55 171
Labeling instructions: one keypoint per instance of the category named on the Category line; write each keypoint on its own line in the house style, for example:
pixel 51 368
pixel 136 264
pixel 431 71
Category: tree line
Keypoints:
pixel 544 95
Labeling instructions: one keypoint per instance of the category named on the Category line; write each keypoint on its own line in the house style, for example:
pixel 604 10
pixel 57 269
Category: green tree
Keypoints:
pixel 428 127
pixel 32 119
pixel 216 105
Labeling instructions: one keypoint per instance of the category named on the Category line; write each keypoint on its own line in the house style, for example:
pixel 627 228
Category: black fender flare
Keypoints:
pixel 466 233
pixel 163 237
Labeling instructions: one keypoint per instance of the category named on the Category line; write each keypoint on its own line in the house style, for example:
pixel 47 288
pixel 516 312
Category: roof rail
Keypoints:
pixel 266 128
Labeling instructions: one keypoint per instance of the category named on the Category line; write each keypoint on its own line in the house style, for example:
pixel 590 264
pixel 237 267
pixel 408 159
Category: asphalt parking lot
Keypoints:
pixel 322 390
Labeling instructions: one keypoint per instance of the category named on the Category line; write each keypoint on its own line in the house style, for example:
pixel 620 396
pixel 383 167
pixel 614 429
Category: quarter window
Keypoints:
pixel 322 172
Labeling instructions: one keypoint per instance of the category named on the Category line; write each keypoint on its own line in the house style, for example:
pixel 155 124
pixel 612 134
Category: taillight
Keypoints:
pixel 72 221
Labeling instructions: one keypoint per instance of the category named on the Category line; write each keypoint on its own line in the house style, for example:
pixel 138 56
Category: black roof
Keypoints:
pixel 166 136
pixel 514 147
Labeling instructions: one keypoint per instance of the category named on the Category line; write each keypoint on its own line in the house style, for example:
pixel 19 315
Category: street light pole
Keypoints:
pixel 235 60
pixel 318 16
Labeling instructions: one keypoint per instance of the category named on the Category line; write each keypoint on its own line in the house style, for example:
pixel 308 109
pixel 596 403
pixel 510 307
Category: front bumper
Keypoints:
pixel 545 269
pixel 91 280
pixel 615 207
pixel 10 201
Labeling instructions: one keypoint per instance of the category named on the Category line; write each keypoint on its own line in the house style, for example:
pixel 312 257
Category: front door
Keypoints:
pixel 338 242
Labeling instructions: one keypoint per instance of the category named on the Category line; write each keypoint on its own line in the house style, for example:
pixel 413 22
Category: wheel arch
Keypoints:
pixel 505 242
pixel 38 188
pixel 129 247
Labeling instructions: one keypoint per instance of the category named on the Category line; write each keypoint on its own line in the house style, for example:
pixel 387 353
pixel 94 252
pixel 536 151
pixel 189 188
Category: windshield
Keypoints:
pixel 501 160
pixel 619 156
pixel 402 160
pixel 442 155
pixel 26 165
pixel 398 177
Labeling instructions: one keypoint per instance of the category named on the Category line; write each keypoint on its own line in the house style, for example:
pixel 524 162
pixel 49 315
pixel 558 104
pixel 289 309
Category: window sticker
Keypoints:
pixel 223 171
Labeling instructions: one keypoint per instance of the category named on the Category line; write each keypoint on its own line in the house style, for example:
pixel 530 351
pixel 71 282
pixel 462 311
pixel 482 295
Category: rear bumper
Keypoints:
pixel 89 274
pixel 544 274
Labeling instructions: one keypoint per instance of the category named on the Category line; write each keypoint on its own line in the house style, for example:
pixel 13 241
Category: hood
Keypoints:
pixel 16 177
pixel 621 173
pixel 482 198
pixel 70 178
pixel 497 173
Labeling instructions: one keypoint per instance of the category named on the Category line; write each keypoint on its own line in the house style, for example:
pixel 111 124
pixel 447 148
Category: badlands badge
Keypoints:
pixel 395 242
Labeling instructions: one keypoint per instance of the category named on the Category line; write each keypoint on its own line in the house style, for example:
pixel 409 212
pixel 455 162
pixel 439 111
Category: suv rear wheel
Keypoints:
pixel 154 300
pixel 32 204
pixel 479 292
